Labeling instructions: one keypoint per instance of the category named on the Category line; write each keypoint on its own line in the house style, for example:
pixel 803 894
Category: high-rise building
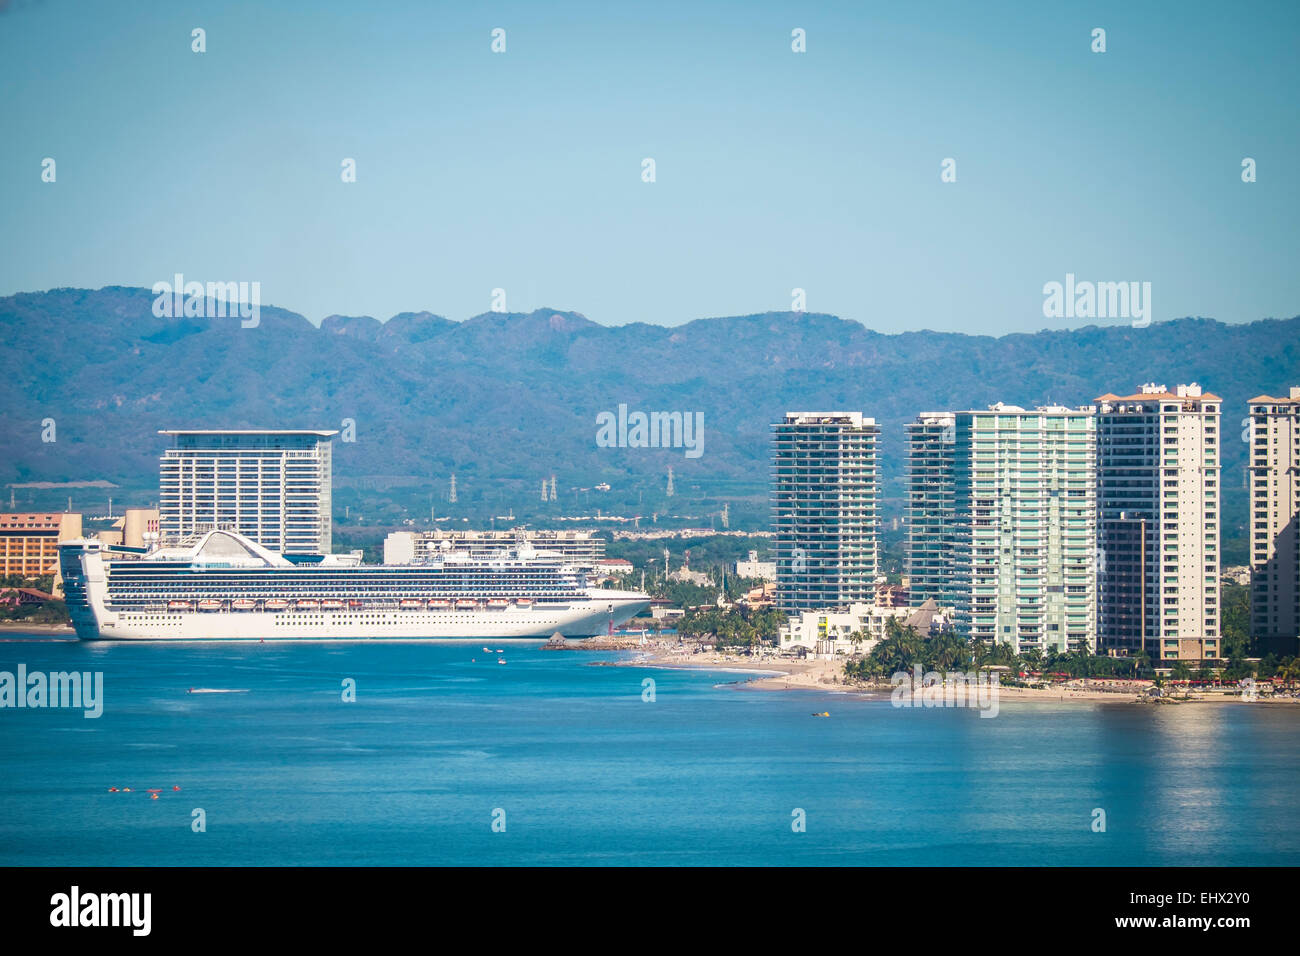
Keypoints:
pixel 271 485
pixel 825 509
pixel 931 443
pixel 1002 523
pixel 1275 516
pixel 1158 523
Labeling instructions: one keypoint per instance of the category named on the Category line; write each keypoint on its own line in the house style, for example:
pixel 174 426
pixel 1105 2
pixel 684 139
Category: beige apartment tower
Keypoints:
pixel 1158 506
pixel 1274 437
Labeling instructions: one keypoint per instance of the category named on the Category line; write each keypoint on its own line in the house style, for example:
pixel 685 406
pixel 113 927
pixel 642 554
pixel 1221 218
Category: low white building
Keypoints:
pixel 608 567
pixel 754 568
pixel 828 633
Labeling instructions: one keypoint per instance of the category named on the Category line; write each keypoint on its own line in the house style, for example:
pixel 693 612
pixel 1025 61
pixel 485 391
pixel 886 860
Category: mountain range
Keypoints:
pixel 505 400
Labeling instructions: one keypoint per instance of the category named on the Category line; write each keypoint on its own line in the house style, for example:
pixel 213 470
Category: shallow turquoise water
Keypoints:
pixel 587 772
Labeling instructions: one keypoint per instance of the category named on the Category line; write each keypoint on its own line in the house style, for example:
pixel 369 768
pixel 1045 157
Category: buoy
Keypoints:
pixel 126 789
pixel 112 789
pixel 175 788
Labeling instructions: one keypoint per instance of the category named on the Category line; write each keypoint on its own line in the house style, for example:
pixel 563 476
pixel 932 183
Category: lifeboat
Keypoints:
pixel 243 604
pixel 354 603
pixel 276 604
pixel 525 602
pixel 437 604
pixel 180 605
pixel 465 604
pixel 498 604
pixel 331 605
pixel 308 604
pixel 410 604
pixel 207 604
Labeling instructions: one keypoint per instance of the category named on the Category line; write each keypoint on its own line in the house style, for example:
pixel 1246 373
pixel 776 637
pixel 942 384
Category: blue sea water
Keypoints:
pixel 587 772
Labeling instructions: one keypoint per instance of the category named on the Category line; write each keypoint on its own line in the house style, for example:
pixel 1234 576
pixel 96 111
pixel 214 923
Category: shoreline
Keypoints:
pixel 827 676
pixel 9 627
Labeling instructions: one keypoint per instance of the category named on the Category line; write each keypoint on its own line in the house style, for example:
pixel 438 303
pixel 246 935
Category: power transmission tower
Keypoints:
pixel 451 494
pixel 670 481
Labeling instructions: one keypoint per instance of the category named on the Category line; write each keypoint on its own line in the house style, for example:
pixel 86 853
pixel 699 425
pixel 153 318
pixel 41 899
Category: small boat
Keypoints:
pixel 276 604
pixel 824 713
pixel 437 604
pixel 487 650
pixel 308 604
pixel 498 604
pixel 501 660
pixel 180 605
pixel 411 604
pixel 207 604
pixel 465 604
pixel 500 650
pixel 331 605
pixel 243 604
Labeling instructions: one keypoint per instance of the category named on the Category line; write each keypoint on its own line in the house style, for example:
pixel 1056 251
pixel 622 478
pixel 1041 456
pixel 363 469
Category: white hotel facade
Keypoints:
pixel 273 486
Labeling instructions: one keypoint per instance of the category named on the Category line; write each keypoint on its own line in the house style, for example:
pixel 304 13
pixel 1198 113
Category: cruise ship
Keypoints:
pixel 220 585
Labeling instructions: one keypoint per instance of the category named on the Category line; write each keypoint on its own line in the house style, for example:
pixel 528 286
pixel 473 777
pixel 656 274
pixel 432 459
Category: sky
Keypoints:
pixel 775 170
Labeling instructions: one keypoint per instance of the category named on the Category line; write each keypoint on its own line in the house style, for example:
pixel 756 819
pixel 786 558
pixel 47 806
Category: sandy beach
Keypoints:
pixel 8 629
pixel 824 675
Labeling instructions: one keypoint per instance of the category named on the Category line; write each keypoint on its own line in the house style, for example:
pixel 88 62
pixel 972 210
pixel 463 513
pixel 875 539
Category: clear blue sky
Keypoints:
pixel 775 170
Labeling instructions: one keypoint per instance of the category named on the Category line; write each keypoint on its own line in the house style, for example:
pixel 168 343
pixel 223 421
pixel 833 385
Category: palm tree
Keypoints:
pixel 1141 663
pixel 1032 659
pixel 946 652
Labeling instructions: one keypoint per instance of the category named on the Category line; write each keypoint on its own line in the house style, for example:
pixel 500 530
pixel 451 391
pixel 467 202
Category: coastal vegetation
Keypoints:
pixel 731 627
pixel 43 612
pixel 904 648
pixel 48 612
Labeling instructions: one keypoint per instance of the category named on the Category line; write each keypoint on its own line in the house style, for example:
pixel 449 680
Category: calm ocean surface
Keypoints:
pixel 588 773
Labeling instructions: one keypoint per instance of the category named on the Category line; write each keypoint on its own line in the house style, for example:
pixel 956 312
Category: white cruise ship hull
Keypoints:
pixel 228 594
pixel 573 620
